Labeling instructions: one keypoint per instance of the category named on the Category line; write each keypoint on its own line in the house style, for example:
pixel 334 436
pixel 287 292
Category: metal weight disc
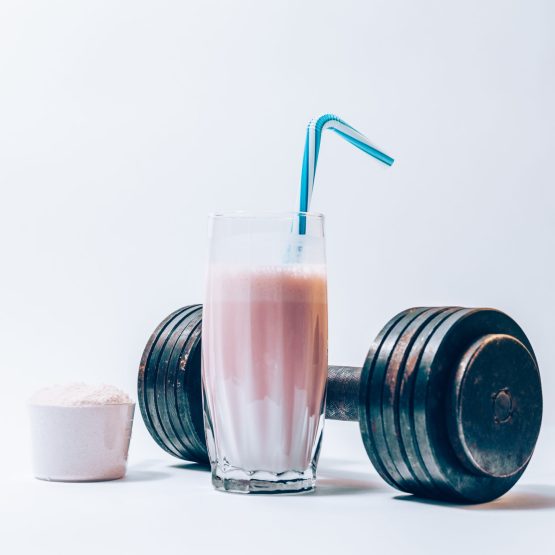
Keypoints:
pixel 195 400
pixel 372 379
pixel 364 408
pixel 151 375
pixel 405 405
pixel 496 402
pixel 436 387
pixel 143 368
pixel 382 359
pixel 154 383
pixel 153 391
pixel 390 399
pixel 181 351
pixel 169 421
pixel 187 393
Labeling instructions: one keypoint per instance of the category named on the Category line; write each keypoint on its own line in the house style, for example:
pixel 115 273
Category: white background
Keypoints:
pixel 122 124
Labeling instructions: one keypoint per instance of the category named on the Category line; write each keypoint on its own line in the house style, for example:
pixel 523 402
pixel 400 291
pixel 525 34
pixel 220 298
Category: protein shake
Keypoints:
pixel 264 370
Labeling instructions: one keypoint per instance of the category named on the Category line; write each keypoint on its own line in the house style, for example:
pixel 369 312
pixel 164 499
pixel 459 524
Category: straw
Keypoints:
pixel 312 147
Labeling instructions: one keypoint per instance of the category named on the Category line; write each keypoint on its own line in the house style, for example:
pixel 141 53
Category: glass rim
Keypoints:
pixel 263 215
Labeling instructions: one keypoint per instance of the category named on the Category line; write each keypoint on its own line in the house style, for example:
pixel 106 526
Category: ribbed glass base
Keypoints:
pixel 235 480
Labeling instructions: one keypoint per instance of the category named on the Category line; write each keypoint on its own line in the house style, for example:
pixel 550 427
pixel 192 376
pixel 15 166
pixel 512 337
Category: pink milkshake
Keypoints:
pixel 265 368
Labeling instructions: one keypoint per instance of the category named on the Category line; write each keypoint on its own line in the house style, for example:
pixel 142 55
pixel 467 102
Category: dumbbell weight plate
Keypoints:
pixel 372 379
pixel 405 404
pixel 187 393
pixel 365 379
pixel 432 410
pixel 151 375
pixel 514 410
pixel 146 361
pixel 390 398
pixel 166 363
pixel 180 351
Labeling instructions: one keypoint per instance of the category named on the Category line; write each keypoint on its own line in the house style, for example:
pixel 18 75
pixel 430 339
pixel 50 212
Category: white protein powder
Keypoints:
pixel 80 395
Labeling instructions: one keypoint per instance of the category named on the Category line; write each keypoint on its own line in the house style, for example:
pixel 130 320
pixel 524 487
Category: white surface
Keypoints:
pixel 122 124
pixel 164 506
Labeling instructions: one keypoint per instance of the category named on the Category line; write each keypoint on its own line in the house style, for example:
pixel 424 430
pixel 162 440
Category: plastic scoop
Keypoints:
pixel 312 147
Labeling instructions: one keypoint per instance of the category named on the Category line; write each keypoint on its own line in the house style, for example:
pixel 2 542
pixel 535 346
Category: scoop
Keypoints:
pixel 80 433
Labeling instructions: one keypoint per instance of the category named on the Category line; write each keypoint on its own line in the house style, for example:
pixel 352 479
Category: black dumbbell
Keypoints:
pixel 449 399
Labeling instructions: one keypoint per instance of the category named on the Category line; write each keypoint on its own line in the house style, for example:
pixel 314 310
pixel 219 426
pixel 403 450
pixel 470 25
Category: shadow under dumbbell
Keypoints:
pixel 326 486
pixel 339 481
pixel 192 466
pixel 144 476
pixel 525 498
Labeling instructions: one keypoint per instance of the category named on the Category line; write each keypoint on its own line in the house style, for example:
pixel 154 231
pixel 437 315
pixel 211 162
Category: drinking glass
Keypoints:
pixel 264 350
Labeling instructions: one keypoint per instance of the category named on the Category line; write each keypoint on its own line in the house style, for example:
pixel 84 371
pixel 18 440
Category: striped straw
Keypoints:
pixel 312 147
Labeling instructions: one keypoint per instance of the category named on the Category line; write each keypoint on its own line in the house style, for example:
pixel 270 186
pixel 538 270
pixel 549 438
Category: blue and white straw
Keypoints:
pixel 312 147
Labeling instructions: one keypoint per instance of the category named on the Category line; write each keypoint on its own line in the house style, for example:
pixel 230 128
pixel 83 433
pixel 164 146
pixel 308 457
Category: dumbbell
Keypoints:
pixel 448 400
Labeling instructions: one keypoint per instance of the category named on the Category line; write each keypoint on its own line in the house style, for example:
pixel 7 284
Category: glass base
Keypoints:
pixel 241 481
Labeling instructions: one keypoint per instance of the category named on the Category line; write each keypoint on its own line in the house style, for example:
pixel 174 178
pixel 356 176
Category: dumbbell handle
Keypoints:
pixel 342 399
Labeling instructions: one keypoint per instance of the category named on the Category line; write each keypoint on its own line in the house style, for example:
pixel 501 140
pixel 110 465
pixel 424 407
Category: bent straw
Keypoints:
pixel 312 148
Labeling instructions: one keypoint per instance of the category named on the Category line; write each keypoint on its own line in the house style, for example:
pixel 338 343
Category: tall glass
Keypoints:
pixel 265 350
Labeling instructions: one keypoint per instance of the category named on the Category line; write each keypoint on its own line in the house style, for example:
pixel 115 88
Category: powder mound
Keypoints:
pixel 80 395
